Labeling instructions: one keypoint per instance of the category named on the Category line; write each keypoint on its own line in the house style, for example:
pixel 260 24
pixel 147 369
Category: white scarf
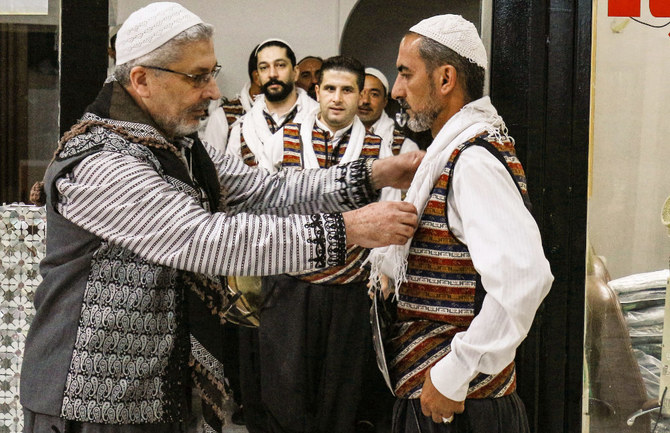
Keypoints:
pixel 245 99
pixel 265 146
pixel 354 146
pixel 384 127
pixel 473 119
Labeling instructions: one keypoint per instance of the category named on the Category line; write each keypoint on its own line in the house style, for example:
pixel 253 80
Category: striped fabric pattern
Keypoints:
pixel 234 110
pixel 398 140
pixel 438 299
pixel 244 240
pixel 292 149
pixel 288 118
pixel 246 154
pixel 351 271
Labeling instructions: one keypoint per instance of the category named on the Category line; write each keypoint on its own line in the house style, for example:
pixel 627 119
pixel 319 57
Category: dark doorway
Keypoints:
pixel 375 27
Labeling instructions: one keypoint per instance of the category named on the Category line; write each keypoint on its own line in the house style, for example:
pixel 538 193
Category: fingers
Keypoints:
pixel 381 224
pixel 437 406
pixel 396 171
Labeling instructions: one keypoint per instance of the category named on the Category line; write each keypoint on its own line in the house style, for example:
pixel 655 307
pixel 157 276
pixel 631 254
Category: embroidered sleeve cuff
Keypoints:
pixel 330 240
pixel 356 179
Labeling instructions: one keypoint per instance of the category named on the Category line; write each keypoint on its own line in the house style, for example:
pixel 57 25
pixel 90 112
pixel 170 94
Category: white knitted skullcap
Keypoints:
pixel 258 48
pixel 378 74
pixel 455 32
pixel 150 27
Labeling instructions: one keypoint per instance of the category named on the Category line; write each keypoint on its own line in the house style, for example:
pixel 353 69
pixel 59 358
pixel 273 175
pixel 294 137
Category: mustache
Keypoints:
pixel 272 82
pixel 403 104
pixel 203 106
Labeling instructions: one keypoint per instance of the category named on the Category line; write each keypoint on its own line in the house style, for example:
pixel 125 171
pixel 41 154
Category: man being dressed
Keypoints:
pixel 474 274
pixel 314 331
pixel 254 138
pixel 135 245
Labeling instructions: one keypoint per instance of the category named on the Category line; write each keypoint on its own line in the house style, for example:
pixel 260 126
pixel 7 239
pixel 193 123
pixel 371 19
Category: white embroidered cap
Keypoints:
pixel 379 75
pixel 455 32
pixel 258 47
pixel 150 27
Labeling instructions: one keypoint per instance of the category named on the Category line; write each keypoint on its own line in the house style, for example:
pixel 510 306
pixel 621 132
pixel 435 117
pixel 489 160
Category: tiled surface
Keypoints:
pixel 22 246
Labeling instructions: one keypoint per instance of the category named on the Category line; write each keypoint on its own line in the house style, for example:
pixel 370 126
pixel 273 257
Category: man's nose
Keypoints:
pixel 398 91
pixel 212 90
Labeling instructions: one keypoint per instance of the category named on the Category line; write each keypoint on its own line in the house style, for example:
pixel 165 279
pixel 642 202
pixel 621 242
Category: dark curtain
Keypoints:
pixel 13 108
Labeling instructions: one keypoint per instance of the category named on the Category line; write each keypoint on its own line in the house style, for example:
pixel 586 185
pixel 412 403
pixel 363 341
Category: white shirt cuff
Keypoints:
pixel 450 378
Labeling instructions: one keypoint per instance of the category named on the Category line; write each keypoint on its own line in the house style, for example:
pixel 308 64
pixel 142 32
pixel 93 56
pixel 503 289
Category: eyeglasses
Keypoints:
pixel 199 80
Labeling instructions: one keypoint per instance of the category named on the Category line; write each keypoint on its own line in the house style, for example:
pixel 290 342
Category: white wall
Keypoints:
pixel 630 176
pixel 311 28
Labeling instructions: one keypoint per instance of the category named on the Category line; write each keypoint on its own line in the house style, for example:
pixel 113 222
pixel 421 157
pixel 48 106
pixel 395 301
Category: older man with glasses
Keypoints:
pixel 144 219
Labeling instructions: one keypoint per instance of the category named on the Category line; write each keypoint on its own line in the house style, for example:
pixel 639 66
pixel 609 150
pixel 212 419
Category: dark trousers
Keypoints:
pixel 255 414
pixel 314 343
pixel 488 415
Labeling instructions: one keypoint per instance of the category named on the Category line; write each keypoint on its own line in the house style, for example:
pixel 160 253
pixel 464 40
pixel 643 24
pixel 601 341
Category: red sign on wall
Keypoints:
pixel 631 8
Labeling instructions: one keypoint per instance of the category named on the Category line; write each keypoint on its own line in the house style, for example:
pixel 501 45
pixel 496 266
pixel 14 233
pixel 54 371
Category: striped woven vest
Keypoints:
pixel 443 292
pixel 246 154
pixel 351 271
pixel 233 109
pixel 398 140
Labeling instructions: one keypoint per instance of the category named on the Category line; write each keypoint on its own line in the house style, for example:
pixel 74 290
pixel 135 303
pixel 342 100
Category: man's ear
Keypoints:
pixel 254 77
pixel 447 78
pixel 296 72
pixel 316 90
pixel 139 81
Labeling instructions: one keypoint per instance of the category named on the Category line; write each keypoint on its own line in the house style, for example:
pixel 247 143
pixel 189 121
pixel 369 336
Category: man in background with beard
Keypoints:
pixel 224 112
pixel 252 137
pixel 255 139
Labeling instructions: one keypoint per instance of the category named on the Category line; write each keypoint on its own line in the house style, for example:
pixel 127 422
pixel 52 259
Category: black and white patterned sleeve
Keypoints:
pixel 250 189
pixel 147 215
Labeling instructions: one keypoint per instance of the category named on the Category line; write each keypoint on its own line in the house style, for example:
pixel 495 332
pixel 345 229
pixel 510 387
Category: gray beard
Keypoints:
pixel 175 127
pixel 422 121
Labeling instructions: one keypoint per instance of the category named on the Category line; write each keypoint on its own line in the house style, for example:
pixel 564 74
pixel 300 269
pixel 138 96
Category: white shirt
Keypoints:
pixel 486 212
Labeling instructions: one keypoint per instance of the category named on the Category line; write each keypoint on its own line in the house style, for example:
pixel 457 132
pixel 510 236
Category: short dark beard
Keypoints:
pixel 286 89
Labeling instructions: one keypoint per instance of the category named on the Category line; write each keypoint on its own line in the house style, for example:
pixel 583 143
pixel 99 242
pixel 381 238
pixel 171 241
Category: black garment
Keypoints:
pixel 255 414
pixel 487 415
pixel 376 405
pixel 40 423
pixel 314 340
